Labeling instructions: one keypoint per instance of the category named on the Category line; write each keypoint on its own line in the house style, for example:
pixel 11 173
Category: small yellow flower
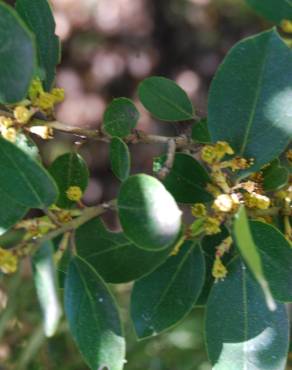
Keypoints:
pixel 8 261
pixel 286 26
pixel 74 193
pixel 222 148
pixel 45 101
pixel 208 154
pixel 224 247
pixel 44 132
pixel 223 203
pixel 58 94
pixel 6 121
pixel 254 200
pixel 22 114
pixel 219 271
pixel 9 134
pixel 239 163
pixel 199 210
pixel 64 216
pixel 35 89
pixel 212 225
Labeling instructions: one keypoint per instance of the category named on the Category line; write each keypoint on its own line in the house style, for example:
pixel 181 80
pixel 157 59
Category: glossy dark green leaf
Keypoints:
pixel 115 258
pixel 38 16
pixel 69 169
pixel 93 317
pixel 274 10
pixel 275 176
pixel 186 180
pixel 17 56
pixel 165 100
pixel 44 274
pixel 23 179
pixel 148 213
pixel 120 158
pixel 241 332
pixel 276 256
pixel 120 117
pixel 200 132
pixel 163 298
pixel 250 253
pixel 249 101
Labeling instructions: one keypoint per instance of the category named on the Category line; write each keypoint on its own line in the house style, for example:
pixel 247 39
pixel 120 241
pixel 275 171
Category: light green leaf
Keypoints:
pixel 165 100
pixel 120 117
pixel 241 332
pixel 120 158
pixel 17 56
pixel 249 101
pixel 114 257
pixel 186 180
pixel 163 298
pixel 44 273
pixel 93 317
pixel 38 16
pixel 274 10
pixel 148 214
pixel 69 169
pixel 23 179
pixel 250 253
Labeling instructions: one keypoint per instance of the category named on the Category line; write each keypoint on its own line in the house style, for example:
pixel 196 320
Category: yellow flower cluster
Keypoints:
pixel 22 114
pixel 226 203
pixel 219 271
pixel 8 261
pixel 44 100
pixel 74 193
pixel 199 210
pixel 214 153
pixel 212 225
pixel 255 200
pixel 286 26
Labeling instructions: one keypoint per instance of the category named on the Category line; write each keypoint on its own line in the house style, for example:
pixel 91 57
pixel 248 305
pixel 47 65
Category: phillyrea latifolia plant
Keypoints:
pixel 232 171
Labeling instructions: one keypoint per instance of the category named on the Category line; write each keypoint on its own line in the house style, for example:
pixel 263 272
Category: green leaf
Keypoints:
pixel 200 132
pixel 241 332
pixel 148 214
pixel 114 257
pixel 93 317
pixel 26 144
pixel 120 117
pixel 17 56
pixel 165 100
pixel 23 179
pixel 120 158
pixel 250 252
pixel 276 256
pixel 69 169
pixel 163 298
pixel 38 16
pixel 45 280
pixel 186 180
pixel 275 176
pixel 250 99
pixel 274 10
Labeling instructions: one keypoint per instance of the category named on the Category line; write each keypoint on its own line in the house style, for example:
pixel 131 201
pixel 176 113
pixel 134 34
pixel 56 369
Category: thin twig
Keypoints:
pixel 164 171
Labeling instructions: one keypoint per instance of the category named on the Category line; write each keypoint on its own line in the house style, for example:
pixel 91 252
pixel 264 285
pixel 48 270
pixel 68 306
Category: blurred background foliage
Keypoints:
pixel 109 46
